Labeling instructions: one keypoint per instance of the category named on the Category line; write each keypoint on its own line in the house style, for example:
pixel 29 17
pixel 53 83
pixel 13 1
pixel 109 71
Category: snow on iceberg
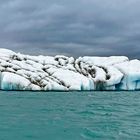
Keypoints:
pixel 25 72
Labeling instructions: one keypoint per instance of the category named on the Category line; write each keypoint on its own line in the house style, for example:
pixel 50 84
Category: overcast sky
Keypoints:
pixel 71 27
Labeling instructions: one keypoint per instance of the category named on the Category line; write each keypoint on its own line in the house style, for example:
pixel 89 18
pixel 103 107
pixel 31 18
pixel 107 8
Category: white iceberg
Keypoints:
pixel 45 73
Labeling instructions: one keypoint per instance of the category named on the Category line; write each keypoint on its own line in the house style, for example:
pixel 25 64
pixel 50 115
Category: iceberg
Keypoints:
pixel 62 73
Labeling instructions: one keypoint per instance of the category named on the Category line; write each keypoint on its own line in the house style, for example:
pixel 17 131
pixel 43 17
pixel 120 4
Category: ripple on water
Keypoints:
pixel 74 116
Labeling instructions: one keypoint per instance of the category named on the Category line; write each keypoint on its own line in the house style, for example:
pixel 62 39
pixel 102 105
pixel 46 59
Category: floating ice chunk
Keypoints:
pixel 25 72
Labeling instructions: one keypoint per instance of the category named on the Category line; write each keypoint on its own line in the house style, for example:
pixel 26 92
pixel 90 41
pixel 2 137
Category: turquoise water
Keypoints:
pixel 69 116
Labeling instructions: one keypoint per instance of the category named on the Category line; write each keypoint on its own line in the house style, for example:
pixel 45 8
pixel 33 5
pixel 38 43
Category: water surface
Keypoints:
pixel 69 115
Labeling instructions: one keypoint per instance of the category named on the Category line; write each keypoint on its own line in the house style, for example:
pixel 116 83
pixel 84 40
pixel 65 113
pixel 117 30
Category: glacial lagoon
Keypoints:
pixel 69 115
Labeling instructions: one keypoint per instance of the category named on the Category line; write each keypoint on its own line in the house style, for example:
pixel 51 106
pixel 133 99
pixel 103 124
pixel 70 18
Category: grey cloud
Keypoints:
pixel 76 27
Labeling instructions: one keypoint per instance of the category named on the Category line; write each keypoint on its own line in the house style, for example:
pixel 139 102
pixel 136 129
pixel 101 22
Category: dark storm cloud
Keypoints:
pixel 76 27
